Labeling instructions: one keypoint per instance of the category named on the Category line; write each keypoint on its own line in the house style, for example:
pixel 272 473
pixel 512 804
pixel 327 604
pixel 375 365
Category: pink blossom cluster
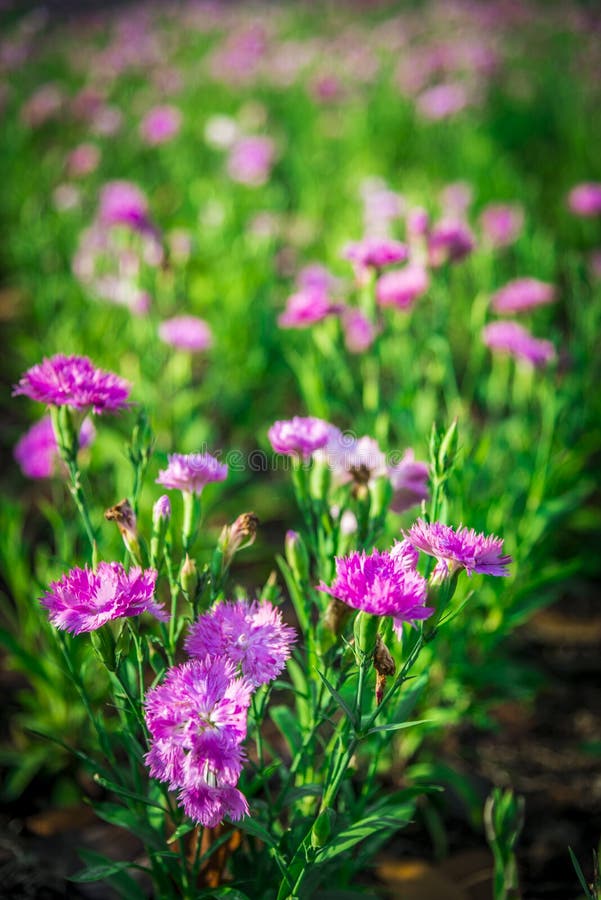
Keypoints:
pixel 351 459
pixel 197 718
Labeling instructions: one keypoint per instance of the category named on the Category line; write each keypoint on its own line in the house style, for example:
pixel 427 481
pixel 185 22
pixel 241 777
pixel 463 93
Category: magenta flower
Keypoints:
pixel 585 199
pixel 123 203
pixel 463 548
pixel 352 459
pixel 305 308
pixel 375 253
pixel 36 451
pixel 502 223
pixel 299 436
pixel 442 101
pixel 456 198
pixel 210 804
pixel 417 222
pixel 316 277
pixel 449 241
pixel 160 124
pixel 402 287
pixel 74 381
pixel 522 294
pixel 359 332
pixel 383 584
pixel 197 719
pixel 251 635
pixel 250 160
pixel 511 338
pixel 85 599
pixel 186 333
pixel 83 160
pixel 44 104
pixel 190 473
pixel 409 479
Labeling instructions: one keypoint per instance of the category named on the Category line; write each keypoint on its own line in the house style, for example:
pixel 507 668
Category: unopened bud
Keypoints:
pixel 161 511
pixel 271 591
pixel 123 514
pixel 366 633
pixel 161 516
pixel 297 556
pixel 322 828
pixel 103 642
pixel 189 577
pixel 448 447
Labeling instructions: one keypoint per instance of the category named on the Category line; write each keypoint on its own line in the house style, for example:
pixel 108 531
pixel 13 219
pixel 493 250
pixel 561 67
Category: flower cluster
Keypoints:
pixel 515 340
pixel 85 599
pixel 197 718
pixel 74 381
pixel 197 722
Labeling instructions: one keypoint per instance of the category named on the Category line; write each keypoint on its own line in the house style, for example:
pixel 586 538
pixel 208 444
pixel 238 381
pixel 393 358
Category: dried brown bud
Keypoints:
pixel 123 514
pixel 384 665
pixel 240 534
pixel 336 615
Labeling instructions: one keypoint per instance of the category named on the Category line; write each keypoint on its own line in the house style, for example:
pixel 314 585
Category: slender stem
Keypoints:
pixel 79 498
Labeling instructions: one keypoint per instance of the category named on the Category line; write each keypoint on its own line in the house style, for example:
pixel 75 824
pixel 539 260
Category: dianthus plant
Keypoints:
pixel 240 738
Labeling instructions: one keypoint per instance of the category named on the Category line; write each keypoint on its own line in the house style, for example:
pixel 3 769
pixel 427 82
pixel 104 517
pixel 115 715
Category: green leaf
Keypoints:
pixel 232 893
pixel 288 725
pixel 185 828
pixel 28 661
pixel 251 826
pixel 123 792
pixel 396 726
pixel 580 874
pixel 357 832
pixel 115 814
pixel 298 601
pixel 339 700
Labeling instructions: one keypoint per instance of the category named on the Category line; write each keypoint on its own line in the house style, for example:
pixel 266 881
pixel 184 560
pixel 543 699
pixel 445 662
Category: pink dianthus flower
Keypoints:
pixel 85 599
pixel 74 381
pixel 251 635
pixel 191 472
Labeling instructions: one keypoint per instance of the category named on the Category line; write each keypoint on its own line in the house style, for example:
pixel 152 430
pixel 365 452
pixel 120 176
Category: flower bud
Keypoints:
pixel 161 516
pixel 271 591
pixel 297 557
pixel 103 642
pixel 322 828
pixel 366 633
pixel 123 514
pixel 189 577
pixel 161 511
